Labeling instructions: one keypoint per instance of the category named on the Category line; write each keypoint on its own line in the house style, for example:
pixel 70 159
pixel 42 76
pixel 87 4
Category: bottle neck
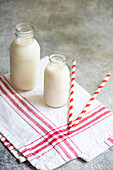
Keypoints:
pixel 24 34
pixel 57 59
pixel 23 41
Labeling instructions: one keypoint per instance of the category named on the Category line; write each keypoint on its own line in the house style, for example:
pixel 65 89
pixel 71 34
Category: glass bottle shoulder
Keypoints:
pixel 57 69
pixel 25 51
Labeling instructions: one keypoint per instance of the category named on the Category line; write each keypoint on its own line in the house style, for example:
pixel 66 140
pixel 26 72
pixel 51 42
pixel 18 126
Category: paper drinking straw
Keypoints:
pixel 72 94
pixel 82 114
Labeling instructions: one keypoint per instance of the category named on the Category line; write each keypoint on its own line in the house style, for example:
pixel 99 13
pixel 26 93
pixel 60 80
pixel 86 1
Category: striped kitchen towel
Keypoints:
pixel 35 132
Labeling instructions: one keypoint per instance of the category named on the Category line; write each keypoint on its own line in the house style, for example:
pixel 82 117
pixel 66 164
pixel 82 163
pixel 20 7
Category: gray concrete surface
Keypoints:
pixel 76 28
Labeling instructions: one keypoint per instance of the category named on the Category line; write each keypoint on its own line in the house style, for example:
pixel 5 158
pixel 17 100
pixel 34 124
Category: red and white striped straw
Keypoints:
pixel 82 114
pixel 72 91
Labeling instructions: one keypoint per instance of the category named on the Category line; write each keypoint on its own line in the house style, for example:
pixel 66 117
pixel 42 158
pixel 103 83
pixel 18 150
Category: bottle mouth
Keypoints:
pixel 24 29
pixel 57 58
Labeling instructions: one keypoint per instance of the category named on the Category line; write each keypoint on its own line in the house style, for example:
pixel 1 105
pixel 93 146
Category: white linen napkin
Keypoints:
pixel 35 132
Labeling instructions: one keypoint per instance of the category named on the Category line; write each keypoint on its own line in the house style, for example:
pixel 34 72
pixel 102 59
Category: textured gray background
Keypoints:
pixel 76 28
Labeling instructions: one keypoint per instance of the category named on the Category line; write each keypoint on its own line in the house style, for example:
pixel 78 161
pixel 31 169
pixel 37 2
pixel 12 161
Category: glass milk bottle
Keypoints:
pixel 56 81
pixel 24 58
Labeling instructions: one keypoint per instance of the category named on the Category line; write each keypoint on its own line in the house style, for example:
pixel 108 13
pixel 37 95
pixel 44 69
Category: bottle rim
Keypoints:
pixel 24 29
pixel 54 58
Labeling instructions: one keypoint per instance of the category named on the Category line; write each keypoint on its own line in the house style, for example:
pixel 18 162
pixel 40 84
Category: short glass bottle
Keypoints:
pixel 56 81
pixel 24 58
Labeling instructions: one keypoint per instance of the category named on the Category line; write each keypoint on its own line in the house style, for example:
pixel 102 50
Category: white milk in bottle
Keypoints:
pixel 56 81
pixel 24 58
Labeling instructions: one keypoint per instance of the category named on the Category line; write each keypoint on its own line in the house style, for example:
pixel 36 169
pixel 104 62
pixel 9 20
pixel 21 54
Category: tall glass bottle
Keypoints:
pixel 24 58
